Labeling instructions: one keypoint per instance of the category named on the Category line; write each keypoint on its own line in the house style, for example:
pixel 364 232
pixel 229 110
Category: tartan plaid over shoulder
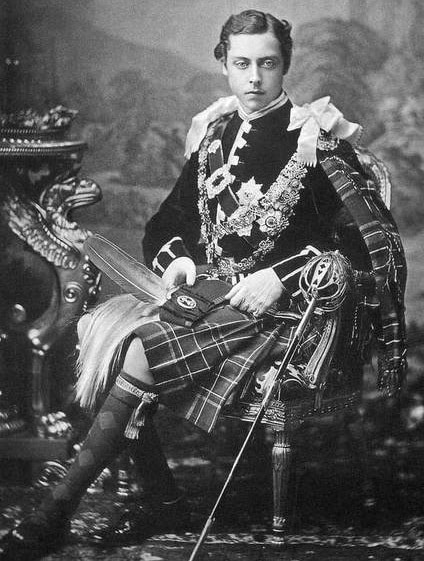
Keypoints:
pixel 379 232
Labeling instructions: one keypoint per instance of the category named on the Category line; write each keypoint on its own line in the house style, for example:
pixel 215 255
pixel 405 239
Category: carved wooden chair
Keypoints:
pixel 335 389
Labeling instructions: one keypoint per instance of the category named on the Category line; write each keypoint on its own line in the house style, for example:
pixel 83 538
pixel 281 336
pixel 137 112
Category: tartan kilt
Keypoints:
pixel 197 369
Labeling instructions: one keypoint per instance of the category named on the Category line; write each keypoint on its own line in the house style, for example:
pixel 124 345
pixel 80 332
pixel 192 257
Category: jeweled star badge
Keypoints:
pixel 249 192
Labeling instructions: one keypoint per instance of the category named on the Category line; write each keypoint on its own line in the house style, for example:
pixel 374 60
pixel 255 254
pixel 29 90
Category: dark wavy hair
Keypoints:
pixel 252 22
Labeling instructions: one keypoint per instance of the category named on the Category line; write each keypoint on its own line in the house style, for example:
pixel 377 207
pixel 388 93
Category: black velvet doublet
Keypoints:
pixel 268 148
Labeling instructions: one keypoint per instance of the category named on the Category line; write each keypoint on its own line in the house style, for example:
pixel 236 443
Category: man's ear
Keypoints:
pixel 224 68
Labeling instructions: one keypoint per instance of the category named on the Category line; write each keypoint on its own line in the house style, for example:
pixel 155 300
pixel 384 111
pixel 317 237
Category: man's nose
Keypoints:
pixel 255 76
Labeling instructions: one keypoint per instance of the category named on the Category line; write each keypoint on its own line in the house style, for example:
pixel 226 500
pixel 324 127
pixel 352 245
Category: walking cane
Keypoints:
pixel 324 280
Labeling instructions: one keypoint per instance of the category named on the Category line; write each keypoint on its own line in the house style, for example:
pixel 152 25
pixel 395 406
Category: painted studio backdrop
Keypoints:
pixel 137 71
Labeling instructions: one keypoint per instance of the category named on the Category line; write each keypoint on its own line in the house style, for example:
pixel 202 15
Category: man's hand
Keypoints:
pixel 257 292
pixel 181 270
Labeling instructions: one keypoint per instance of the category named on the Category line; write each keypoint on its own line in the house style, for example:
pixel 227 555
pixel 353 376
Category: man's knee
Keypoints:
pixel 135 362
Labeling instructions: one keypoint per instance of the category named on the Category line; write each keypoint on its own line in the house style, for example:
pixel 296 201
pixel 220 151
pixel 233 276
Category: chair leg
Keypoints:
pixel 281 463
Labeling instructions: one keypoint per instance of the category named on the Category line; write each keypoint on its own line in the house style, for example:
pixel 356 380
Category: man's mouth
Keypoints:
pixel 255 92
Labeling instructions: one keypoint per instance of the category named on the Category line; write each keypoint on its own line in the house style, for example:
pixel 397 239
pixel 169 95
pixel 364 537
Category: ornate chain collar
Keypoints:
pixel 271 211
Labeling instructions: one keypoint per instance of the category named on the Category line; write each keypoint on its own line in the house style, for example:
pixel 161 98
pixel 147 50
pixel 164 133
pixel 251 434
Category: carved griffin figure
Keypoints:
pixel 46 279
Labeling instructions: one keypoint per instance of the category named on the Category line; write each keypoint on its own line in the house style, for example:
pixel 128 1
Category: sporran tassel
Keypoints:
pixel 148 406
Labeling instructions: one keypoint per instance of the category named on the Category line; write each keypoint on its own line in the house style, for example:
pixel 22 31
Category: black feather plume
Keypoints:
pixel 131 275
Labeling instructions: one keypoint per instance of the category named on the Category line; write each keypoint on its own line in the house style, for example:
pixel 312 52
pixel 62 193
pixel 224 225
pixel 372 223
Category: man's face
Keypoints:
pixel 254 68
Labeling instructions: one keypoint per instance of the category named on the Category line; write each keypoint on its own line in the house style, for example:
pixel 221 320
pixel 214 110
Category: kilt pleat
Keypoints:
pixel 197 369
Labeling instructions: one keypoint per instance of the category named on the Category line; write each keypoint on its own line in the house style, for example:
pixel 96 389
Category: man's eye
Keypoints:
pixel 269 64
pixel 241 64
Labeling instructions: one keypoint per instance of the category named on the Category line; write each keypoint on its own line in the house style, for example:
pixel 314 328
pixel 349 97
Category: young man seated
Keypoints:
pixel 262 192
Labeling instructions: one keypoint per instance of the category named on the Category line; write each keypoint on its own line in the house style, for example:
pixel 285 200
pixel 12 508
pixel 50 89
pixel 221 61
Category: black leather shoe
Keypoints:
pixel 141 521
pixel 33 538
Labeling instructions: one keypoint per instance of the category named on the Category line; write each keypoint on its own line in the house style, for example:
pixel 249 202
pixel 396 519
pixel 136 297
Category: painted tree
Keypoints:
pixel 335 57
pixel 399 86
pixel 416 31
pixel 155 157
